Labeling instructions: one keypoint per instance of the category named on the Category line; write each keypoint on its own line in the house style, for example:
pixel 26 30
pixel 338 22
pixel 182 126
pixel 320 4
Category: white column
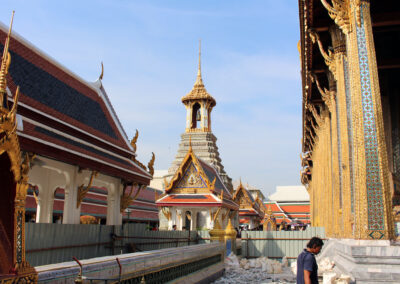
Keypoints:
pixel 110 205
pixel 72 213
pixel 120 190
pixel 194 220
pixel 179 219
pixel 202 124
pixel 209 223
pixel 48 178
pixel 173 220
pixel 188 116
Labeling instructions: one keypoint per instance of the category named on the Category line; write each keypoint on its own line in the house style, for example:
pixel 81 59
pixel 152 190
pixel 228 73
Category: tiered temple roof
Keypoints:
pixel 66 118
pixel 249 207
pixel 196 183
pixel 289 212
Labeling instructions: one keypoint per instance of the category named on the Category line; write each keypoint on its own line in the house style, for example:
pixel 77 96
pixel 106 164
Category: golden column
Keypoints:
pixel 372 202
pixel 335 191
pixel 344 122
pixel 332 196
pixel 321 173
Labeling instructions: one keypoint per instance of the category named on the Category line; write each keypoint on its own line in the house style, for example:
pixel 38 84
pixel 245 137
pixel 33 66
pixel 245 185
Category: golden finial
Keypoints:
pixel 5 63
pixel 102 71
pixel 150 165
pixel 199 80
pixel 134 140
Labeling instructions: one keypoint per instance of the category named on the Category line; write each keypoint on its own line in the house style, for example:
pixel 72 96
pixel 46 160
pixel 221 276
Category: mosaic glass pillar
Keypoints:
pixel 344 228
pixel 335 192
pixel 372 203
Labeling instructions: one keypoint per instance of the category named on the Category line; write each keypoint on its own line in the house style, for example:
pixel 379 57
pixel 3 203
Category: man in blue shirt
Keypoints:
pixel 307 268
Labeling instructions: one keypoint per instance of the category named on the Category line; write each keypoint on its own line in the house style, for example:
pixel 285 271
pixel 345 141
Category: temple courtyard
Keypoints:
pixel 189 160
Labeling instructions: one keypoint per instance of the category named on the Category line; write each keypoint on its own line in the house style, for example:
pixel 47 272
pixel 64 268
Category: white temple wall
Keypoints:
pixel 114 190
pixel 201 218
pixel 48 175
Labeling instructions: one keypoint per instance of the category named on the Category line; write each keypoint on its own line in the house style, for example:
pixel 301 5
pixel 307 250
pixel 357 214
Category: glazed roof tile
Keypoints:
pixel 53 96
pixel 212 174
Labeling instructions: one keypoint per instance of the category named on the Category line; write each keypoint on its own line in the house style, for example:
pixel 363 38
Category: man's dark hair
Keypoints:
pixel 315 242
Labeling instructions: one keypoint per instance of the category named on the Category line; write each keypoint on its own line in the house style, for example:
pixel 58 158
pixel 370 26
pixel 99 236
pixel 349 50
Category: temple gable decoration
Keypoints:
pixel 196 197
pixel 250 211
pixel 194 176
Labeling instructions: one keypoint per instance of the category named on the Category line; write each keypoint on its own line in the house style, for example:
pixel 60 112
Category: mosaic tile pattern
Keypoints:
pixel 374 185
pixel 350 129
pixel 339 154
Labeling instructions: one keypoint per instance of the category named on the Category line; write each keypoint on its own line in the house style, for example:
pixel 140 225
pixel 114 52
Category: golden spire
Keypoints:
pixel 199 80
pixel 198 91
pixel 5 63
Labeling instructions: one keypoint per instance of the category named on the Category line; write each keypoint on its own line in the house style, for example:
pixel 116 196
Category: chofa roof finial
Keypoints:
pixel 102 71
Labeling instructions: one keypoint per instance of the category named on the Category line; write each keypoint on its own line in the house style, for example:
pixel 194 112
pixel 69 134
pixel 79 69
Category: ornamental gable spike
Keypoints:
pixel 102 71
pixel 5 63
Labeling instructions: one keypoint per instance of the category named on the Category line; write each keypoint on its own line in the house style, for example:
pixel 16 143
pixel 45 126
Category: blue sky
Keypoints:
pixel 250 65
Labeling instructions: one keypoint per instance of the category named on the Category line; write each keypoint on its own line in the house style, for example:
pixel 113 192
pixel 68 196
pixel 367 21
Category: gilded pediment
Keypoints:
pixel 191 178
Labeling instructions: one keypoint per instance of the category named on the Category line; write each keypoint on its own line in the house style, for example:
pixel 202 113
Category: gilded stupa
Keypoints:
pixel 199 104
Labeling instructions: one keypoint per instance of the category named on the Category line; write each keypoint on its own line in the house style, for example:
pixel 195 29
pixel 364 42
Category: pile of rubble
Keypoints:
pixel 265 270
pixel 257 270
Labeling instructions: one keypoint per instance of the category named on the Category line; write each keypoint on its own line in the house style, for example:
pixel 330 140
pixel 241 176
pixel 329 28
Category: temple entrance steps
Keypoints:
pixel 375 261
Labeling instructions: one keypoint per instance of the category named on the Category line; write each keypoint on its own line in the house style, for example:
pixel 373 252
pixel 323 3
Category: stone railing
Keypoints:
pixel 190 264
